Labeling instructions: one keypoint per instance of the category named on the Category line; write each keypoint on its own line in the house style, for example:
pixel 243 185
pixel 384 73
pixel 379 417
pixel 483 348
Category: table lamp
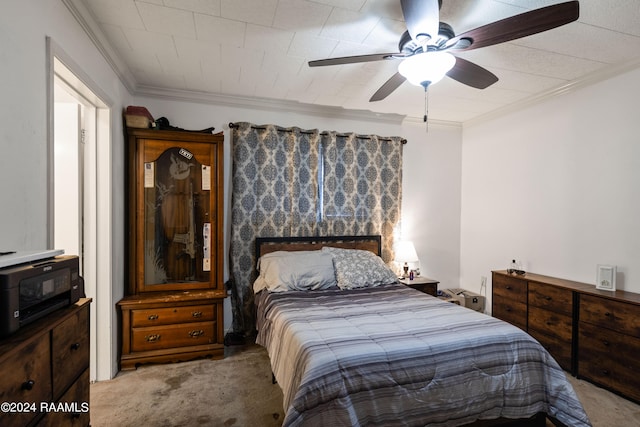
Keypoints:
pixel 406 253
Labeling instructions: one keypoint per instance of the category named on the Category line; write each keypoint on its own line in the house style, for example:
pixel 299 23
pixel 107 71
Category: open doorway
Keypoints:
pixel 79 211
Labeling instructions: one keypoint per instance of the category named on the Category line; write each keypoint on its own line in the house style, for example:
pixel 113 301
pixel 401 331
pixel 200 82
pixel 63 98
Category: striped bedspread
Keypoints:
pixel 393 356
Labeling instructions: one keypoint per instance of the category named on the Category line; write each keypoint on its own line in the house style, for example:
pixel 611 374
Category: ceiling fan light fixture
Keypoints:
pixel 426 68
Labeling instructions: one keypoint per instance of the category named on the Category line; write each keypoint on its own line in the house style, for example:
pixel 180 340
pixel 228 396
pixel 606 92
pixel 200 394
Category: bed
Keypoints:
pixel 390 355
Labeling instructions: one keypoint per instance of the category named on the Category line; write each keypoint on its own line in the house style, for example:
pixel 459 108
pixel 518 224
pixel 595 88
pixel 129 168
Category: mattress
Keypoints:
pixel 393 356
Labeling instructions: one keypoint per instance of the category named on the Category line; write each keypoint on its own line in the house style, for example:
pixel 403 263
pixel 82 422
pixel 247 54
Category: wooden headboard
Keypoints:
pixel 265 245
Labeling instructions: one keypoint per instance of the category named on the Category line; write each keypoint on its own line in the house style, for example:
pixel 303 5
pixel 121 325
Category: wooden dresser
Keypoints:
pixel 609 341
pixel 593 334
pixel 45 370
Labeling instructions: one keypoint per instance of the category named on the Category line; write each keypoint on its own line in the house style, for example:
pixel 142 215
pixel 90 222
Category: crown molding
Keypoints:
pixel 268 104
pixel 85 18
pixel 573 86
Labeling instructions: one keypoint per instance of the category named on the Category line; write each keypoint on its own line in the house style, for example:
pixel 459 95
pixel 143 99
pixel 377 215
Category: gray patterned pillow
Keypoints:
pixel 359 268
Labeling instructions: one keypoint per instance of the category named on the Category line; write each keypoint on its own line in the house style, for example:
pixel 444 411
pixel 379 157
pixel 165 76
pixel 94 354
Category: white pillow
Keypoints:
pixel 357 268
pixel 296 270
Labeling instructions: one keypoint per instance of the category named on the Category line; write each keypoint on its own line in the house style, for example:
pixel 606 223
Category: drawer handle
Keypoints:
pixel 605 372
pixel 508 309
pixel 153 317
pixel 607 314
pixel 28 385
pixel 507 287
pixel 152 338
pixel 547 298
pixel 75 346
pixel 196 314
pixel 196 333
pixel 605 343
pixel 76 415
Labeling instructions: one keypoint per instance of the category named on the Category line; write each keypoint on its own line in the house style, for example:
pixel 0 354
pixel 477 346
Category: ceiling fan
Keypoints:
pixel 424 48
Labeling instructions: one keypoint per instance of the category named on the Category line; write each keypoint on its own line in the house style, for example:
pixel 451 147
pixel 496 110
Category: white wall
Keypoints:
pixel 24 26
pixel 556 185
pixel 431 172
pixel 23 111
pixel 431 199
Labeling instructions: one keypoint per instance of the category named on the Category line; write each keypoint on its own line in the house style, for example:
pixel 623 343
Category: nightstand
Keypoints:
pixel 423 284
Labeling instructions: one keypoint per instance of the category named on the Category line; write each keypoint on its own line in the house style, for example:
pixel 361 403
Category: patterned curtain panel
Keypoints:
pixel 291 182
pixel 275 193
pixel 362 186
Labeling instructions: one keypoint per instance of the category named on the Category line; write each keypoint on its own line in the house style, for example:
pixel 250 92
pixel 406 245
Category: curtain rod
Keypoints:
pixel 279 129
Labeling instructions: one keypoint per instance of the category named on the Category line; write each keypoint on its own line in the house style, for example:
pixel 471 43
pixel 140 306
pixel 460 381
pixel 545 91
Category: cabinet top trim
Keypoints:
pixel 579 287
pixel 175 135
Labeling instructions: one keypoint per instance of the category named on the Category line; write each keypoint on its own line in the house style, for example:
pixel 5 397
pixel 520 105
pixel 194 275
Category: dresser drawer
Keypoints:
pixel 616 315
pixel 551 323
pixel 70 346
pixel 510 288
pixel 551 297
pixel 510 311
pixel 76 399
pixel 558 348
pixel 26 378
pixel 170 336
pixel 172 315
pixel 609 358
pixel 555 333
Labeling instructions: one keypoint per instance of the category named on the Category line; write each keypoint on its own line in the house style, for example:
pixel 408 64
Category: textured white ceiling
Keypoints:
pixel 260 49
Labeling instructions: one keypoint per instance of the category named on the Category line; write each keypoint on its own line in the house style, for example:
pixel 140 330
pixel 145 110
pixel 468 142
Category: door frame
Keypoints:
pixel 98 205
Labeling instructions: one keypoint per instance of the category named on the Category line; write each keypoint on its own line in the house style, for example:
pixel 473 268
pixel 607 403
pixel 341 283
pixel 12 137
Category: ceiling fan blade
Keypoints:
pixel 355 59
pixel 473 75
pixel 422 18
pixel 389 86
pixel 518 26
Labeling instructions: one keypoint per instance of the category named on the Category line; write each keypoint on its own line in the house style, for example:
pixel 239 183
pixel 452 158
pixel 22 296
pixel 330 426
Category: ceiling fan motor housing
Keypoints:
pixel 409 46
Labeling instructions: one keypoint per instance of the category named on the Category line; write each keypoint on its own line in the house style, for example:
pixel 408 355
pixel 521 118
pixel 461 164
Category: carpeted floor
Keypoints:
pixel 237 391
pixel 234 391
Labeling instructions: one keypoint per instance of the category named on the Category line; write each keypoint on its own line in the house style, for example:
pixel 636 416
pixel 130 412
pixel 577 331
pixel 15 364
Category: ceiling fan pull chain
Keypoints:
pixel 426 108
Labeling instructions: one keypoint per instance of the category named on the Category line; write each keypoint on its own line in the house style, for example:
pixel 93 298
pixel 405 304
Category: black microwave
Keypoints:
pixel 32 290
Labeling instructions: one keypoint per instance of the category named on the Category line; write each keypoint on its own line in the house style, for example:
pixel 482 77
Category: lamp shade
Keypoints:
pixel 406 252
pixel 426 68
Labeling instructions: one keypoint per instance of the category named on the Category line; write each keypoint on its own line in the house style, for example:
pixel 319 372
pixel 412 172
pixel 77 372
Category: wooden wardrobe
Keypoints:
pixel 173 307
